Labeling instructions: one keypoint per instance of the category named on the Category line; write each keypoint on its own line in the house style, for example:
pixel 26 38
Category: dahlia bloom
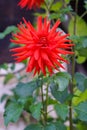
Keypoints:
pixel 43 47
pixel 30 3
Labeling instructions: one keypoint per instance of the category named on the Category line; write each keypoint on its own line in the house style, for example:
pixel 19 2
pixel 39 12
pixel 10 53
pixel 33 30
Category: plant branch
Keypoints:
pixel 42 97
pixel 65 6
pixel 83 14
pixel 48 7
pixel 46 103
pixel 73 67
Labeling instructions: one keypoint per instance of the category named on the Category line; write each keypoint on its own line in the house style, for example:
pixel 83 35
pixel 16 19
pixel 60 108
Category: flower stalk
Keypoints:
pixel 46 113
pixel 73 67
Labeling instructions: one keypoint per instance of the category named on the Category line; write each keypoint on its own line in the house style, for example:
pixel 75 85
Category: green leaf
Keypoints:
pixel 80 78
pixel 66 10
pixel 60 126
pixel 4 66
pixel 85 83
pixel 54 16
pixel 51 101
pixel 61 110
pixel 36 110
pixel 81 126
pixel 80 59
pixel 12 66
pixel 2 35
pixel 62 83
pixel 3 97
pixel 12 45
pixel 61 96
pixel 80 45
pixel 67 1
pixel 55 126
pixel 50 127
pixel 24 90
pixel 83 52
pixel 84 42
pixel 81 110
pixel 81 25
pixel 80 97
pixel 34 127
pixel 28 102
pixel 62 80
pixel 76 39
pixel 7 31
pixel 56 6
pixel 40 14
pixel 62 74
pixel 8 77
pixel 12 112
pixel 59 13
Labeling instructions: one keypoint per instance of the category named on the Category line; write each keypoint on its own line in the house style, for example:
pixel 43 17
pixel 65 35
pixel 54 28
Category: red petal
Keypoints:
pixel 37 54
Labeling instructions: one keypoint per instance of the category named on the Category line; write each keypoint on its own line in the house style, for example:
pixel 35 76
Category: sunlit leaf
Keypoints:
pixel 81 96
pixel 81 25
pixel 56 6
pixel 8 77
pixel 80 59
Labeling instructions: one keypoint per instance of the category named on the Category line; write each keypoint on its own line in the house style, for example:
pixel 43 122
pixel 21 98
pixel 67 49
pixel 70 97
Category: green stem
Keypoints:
pixel 51 4
pixel 43 108
pixel 73 68
pixel 46 103
pixel 48 7
pixel 73 48
pixel 83 14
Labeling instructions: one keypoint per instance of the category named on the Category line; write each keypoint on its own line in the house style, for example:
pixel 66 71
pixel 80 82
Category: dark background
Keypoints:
pixel 10 14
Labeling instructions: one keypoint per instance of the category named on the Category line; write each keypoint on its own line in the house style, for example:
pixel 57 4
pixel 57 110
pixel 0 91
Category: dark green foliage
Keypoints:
pixel 12 112
pixel 81 110
pixel 61 110
pixel 81 81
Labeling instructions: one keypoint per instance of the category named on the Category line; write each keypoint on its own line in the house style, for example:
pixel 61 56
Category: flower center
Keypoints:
pixel 43 41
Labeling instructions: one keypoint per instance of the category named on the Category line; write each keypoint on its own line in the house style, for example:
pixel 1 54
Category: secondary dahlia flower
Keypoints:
pixel 30 3
pixel 43 47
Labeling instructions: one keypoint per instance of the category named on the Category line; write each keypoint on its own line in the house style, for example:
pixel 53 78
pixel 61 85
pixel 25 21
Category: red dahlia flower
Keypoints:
pixel 42 46
pixel 30 3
